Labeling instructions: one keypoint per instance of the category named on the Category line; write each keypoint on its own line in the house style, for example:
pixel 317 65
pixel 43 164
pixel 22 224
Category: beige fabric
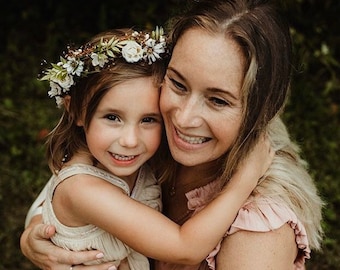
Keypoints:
pixel 90 237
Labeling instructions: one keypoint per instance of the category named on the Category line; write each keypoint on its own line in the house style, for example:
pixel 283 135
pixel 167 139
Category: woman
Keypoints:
pixel 227 81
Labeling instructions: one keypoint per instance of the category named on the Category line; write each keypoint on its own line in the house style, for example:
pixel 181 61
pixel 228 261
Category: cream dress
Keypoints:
pixel 90 237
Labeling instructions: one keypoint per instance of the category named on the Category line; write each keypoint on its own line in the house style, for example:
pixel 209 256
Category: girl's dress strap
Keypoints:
pixel 90 170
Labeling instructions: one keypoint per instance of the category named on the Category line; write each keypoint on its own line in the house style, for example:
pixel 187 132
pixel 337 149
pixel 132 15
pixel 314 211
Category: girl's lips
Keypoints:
pixel 122 160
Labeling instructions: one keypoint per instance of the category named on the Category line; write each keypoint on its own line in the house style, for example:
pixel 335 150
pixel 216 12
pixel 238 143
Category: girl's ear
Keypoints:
pixel 80 123
pixel 67 102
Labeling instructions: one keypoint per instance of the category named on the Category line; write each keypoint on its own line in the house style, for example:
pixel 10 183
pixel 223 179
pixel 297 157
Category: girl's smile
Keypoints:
pixel 124 133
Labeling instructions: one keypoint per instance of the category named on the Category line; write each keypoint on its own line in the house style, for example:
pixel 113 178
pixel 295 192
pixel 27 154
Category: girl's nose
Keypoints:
pixel 129 137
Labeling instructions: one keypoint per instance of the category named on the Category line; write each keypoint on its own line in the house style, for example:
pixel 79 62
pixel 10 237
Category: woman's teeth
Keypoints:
pixel 192 140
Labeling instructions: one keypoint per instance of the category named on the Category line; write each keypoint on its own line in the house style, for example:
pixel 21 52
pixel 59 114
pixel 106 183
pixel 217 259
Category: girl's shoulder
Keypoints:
pixel 78 169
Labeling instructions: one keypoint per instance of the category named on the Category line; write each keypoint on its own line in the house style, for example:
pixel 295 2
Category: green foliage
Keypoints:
pixel 32 32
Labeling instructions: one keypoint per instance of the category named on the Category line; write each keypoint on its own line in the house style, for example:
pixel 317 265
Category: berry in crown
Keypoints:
pixel 78 63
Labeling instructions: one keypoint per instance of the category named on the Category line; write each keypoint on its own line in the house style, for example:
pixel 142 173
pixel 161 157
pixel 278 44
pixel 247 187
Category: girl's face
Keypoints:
pixel 201 97
pixel 125 130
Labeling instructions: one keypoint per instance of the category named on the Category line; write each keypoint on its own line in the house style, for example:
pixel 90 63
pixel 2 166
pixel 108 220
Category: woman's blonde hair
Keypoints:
pixel 288 181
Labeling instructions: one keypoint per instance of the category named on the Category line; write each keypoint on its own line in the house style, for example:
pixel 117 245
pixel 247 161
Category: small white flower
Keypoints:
pixel 99 59
pixel 153 50
pixel 73 66
pixel 55 89
pixel 59 101
pixel 65 82
pixel 135 34
pixel 132 51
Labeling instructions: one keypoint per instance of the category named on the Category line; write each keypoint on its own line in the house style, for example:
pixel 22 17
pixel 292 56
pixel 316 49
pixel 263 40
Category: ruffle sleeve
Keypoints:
pixel 263 215
pixel 258 214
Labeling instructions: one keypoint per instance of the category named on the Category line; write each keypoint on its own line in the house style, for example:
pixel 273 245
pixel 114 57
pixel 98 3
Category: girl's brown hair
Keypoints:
pixel 67 137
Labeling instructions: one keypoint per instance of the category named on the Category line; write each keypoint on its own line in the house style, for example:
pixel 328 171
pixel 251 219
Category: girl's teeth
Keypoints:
pixel 123 158
pixel 192 140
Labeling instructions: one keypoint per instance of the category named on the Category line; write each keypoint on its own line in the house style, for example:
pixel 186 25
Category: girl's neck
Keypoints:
pixel 84 158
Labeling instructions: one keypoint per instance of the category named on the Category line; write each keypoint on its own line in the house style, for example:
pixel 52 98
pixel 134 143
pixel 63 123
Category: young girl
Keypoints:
pixel 103 194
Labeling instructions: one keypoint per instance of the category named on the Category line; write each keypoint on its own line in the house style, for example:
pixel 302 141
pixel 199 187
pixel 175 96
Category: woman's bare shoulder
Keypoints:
pixel 275 249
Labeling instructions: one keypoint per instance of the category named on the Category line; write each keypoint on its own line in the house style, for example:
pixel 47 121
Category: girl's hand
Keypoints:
pixel 37 247
pixel 255 165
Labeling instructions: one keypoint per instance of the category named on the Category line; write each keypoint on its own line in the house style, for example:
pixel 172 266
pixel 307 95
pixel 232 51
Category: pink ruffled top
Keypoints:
pixel 258 214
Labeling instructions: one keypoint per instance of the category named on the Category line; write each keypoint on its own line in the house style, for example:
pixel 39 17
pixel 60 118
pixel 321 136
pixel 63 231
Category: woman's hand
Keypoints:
pixel 36 246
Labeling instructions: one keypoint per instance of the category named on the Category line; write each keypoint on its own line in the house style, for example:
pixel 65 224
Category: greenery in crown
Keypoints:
pixel 78 63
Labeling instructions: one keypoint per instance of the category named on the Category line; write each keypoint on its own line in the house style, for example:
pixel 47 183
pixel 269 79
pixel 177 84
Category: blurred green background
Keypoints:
pixel 32 31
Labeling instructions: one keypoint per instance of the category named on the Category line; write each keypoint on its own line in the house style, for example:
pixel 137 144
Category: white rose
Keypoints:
pixel 132 51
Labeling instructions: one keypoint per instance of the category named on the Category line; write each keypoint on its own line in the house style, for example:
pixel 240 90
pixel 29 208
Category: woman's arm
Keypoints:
pixel 261 250
pixel 37 247
pixel 35 243
pixel 148 231
pixel 36 206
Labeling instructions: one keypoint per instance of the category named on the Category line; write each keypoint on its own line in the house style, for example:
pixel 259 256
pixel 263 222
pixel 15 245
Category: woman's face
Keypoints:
pixel 201 97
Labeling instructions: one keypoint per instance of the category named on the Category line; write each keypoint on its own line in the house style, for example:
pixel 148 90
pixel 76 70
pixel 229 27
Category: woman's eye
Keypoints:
pixel 112 117
pixel 177 84
pixel 219 102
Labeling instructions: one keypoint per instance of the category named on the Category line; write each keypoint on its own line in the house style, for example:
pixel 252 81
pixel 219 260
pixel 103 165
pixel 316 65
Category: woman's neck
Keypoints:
pixel 192 177
pixel 184 180
pixel 197 176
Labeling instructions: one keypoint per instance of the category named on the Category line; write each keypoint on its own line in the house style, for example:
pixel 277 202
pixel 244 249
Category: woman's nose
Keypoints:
pixel 189 113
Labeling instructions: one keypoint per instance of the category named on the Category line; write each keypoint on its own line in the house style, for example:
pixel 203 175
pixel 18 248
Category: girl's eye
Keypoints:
pixel 219 102
pixel 149 120
pixel 112 117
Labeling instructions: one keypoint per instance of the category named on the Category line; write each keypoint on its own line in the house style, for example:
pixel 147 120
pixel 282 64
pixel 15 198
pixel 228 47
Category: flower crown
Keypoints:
pixel 78 63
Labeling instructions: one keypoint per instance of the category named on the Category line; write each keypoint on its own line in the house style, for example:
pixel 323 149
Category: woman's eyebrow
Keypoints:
pixel 211 89
pixel 223 91
pixel 177 73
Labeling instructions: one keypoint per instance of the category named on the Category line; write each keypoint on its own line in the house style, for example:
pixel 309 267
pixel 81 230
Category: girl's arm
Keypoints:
pixel 152 234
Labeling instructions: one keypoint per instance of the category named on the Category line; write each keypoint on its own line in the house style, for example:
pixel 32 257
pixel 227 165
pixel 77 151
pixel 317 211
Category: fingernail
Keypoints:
pixel 47 230
pixel 112 267
pixel 100 255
